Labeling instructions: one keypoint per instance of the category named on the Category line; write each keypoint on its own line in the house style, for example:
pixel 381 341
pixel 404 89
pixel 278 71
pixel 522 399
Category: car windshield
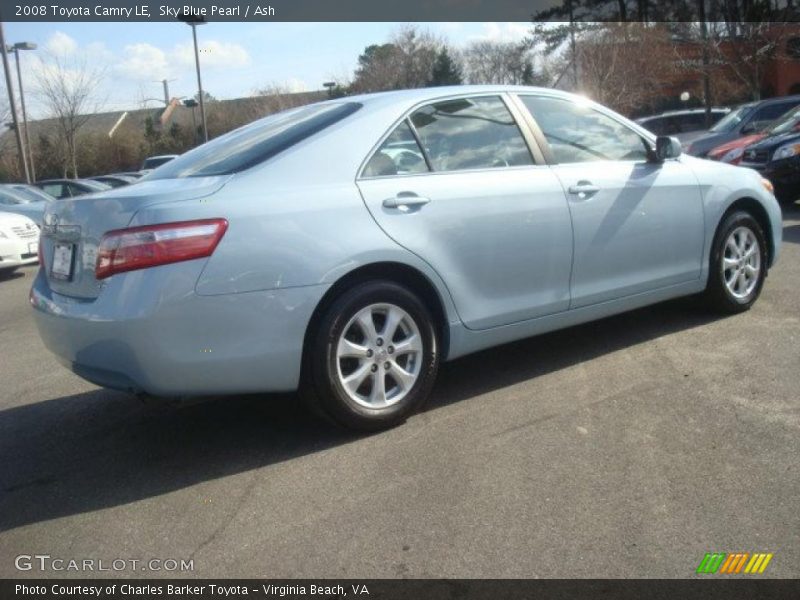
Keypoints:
pixel 95 186
pixel 9 196
pixel 30 194
pixel 253 144
pixel 785 124
pixel 732 119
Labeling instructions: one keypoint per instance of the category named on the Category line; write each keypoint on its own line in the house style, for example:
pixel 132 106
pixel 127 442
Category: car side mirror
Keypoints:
pixel 667 147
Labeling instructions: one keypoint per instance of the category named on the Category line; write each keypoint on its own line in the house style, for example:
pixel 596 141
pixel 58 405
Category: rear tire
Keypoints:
pixel 373 359
pixel 738 264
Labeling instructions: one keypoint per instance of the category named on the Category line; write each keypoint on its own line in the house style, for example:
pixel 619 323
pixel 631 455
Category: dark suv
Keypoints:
pixel 743 120
pixel 777 158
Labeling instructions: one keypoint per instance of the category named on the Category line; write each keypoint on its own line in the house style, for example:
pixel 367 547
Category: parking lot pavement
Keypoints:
pixel 624 448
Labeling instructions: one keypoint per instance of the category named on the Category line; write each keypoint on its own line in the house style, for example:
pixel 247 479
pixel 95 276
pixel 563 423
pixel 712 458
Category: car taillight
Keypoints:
pixel 152 245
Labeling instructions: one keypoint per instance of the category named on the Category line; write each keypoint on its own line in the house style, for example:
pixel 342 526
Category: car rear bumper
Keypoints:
pixel 177 344
pixel 17 253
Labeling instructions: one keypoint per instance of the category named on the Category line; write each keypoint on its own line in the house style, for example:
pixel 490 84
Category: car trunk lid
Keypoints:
pixel 73 227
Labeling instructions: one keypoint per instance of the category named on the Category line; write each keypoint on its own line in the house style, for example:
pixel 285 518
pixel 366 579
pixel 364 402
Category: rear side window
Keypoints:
pixel 399 154
pixel 253 144
pixel 471 133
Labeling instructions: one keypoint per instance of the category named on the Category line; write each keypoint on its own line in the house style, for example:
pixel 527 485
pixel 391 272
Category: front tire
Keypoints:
pixel 374 358
pixel 738 264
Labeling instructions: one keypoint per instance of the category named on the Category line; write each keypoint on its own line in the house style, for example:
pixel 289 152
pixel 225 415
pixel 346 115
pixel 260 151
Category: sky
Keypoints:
pixel 235 58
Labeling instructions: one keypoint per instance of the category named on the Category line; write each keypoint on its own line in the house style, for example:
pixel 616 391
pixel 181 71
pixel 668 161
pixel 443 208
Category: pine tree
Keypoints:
pixel 445 70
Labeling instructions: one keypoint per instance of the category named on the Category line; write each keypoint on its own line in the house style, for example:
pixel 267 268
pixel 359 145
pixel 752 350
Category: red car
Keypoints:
pixel 732 152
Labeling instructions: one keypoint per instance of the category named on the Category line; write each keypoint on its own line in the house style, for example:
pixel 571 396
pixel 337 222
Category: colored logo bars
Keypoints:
pixel 733 563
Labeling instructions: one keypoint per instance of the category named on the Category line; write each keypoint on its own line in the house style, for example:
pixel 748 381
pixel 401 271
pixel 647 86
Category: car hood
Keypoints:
pixel 703 144
pixel 774 141
pixel 722 150
pixel 8 219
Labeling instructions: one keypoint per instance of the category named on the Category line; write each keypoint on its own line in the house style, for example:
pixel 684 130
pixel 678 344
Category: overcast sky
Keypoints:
pixel 236 58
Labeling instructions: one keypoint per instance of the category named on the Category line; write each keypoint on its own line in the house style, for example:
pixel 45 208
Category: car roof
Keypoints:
pixel 411 97
pixel 777 100
pixel 685 111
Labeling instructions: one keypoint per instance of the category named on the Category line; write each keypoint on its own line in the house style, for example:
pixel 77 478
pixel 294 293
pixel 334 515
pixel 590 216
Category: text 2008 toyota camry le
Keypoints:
pixel 346 248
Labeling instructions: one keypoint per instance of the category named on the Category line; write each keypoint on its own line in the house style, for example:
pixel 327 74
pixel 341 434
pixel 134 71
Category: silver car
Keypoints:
pixel 346 248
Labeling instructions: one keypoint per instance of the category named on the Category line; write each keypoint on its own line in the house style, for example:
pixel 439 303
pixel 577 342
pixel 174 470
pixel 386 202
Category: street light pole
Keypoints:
pixel 13 105
pixel 16 48
pixel 193 24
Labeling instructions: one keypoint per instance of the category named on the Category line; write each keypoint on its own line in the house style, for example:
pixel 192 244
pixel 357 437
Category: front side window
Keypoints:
pixel 578 133
pixel 253 144
pixel 399 154
pixel 470 133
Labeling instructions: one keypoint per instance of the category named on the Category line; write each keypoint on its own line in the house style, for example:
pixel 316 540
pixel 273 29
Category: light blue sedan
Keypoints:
pixel 346 248
pixel 24 200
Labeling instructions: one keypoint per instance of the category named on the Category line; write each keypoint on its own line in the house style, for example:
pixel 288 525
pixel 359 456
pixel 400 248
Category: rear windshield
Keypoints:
pixel 253 144
pixel 156 161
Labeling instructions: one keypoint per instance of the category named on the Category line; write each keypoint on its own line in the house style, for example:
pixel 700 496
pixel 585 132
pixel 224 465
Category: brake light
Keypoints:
pixel 152 245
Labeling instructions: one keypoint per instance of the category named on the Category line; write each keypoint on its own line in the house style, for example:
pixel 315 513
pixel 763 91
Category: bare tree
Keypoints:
pixel 275 97
pixel 746 47
pixel 406 61
pixel 487 61
pixel 619 64
pixel 66 85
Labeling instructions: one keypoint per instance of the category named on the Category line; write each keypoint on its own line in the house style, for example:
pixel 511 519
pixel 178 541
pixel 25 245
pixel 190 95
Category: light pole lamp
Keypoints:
pixel 193 21
pixel 15 49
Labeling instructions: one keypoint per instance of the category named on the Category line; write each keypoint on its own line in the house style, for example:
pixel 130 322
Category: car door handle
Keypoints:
pixel 405 200
pixel 583 189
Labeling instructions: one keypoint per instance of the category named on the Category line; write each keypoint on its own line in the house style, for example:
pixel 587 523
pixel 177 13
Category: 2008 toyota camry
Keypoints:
pixel 346 248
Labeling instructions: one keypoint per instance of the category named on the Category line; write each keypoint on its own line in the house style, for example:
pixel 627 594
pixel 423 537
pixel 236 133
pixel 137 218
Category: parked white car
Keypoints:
pixel 19 242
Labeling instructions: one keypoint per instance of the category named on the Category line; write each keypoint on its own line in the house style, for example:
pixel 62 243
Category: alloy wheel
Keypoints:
pixel 379 355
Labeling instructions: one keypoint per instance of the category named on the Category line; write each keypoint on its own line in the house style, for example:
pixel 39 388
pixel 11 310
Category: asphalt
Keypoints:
pixel 628 447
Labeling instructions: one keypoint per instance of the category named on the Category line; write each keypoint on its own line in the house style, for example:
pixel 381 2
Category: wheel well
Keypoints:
pixel 396 272
pixel 758 212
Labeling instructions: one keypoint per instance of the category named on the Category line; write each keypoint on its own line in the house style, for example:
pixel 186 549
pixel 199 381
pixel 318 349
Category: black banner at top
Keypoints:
pixel 405 10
